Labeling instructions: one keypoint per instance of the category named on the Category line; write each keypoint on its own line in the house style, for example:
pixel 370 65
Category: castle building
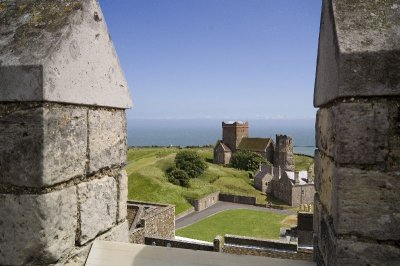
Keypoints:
pixel 292 187
pixel 235 137
pixel 283 155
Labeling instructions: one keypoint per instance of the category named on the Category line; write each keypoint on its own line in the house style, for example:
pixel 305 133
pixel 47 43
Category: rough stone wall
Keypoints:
pixel 283 155
pixel 243 250
pixel 302 194
pixel 62 132
pixel 59 179
pixel 137 235
pixel 161 223
pixel 357 215
pixel 205 202
pixel 282 189
pixel 237 199
pixel 262 247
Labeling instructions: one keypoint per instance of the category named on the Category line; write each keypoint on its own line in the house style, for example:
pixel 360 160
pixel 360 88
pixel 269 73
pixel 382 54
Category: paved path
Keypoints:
pixel 222 206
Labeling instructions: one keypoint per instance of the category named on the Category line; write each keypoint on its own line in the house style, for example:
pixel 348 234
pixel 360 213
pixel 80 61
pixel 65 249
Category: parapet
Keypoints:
pixel 359 50
pixel 55 51
pixel 235 124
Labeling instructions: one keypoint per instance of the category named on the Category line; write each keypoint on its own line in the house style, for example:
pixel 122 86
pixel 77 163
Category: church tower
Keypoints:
pixel 283 155
pixel 233 133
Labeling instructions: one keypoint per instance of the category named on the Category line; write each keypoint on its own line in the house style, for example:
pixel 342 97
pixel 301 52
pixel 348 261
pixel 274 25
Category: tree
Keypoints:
pixel 178 177
pixel 190 162
pixel 246 160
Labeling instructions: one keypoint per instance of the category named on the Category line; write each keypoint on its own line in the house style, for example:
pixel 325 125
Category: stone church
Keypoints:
pixel 235 137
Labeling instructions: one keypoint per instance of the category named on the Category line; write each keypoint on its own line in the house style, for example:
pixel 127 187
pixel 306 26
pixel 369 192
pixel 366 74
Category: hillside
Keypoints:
pixel 147 182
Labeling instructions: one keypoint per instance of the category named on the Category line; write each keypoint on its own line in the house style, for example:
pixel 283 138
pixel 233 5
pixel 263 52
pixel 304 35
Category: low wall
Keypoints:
pixel 267 248
pixel 241 250
pixel 137 235
pixel 205 202
pixel 237 199
pixel 150 219
pixel 160 223
pixel 260 243
pixel 178 244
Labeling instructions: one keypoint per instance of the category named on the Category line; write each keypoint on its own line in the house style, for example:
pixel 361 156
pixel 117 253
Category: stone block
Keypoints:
pixel 325 131
pixel 37 229
pixel 361 130
pixel 123 195
pixel 98 207
pixel 77 257
pixel 367 204
pixel 324 174
pixel 119 233
pixel 352 252
pixel 45 59
pixel 42 146
pixel 358 52
pixel 107 138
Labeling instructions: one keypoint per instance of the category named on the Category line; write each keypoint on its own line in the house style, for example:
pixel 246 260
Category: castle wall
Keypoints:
pixel 302 194
pixel 357 89
pixel 63 135
pixel 282 189
pixel 205 202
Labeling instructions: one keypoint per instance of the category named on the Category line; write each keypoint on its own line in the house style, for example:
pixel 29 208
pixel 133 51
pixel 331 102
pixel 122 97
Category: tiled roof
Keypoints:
pixel 254 144
pixel 224 147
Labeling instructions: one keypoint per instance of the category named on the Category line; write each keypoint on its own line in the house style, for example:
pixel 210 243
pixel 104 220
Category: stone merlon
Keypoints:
pixel 55 51
pixel 359 50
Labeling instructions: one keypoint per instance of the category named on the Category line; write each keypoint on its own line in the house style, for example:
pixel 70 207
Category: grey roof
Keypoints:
pixel 254 144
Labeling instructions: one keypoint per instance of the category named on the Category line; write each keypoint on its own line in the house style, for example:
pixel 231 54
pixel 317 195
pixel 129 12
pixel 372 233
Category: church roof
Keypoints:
pixel 254 144
pixel 224 147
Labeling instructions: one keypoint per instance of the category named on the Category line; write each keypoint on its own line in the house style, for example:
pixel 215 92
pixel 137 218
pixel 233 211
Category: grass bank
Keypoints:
pixel 147 182
pixel 246 223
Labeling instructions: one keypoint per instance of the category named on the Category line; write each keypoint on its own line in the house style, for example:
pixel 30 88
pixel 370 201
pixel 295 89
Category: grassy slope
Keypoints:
pixel 147 182
pixel 303 162
pixel 247 223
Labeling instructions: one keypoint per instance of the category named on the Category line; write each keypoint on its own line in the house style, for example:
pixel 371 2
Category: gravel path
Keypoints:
pixel 222 206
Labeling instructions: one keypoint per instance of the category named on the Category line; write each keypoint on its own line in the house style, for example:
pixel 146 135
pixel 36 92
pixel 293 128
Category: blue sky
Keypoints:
pixel 223 59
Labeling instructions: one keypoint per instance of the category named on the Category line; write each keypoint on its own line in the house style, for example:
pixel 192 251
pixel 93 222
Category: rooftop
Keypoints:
pixel 254 144
pixel 125 254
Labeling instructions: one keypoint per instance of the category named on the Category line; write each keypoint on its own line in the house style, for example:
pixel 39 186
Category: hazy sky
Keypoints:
pixel 225 59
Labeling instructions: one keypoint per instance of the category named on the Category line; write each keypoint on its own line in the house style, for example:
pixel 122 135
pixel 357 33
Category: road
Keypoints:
pixel 222 206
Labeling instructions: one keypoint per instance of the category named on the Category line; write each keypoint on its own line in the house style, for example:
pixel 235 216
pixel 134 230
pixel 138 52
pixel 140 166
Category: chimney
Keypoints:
pixel 296 178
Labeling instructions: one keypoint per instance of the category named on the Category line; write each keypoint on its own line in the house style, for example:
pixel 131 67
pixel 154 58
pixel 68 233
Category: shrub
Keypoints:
pixel 178 177
pixel 191 163
pixel 246 160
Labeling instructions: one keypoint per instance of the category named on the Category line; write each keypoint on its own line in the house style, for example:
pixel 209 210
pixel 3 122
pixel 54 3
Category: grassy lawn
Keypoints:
pixel 237 222
pixel 147 182
pixel 303 162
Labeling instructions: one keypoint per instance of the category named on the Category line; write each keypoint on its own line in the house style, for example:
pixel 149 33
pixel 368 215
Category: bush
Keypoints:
pixel 246 160
pixel 191 163
pixel 178 177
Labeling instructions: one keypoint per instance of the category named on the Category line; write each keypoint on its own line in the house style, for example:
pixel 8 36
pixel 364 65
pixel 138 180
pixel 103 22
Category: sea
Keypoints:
pixel 200 132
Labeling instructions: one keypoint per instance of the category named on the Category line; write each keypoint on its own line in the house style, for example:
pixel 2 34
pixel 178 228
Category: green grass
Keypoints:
pixel 246 223
pixel 303 162
pixel 147 181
